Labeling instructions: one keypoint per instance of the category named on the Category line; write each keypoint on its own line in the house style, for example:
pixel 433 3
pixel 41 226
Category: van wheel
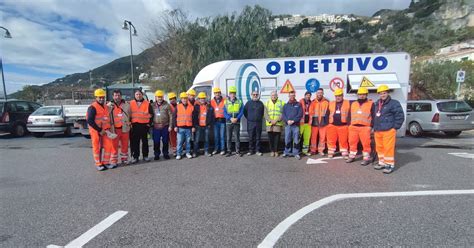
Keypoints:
pixel 19 130
pixel 38 135
pixel 415 129
pixel 453 133
pixel 68 132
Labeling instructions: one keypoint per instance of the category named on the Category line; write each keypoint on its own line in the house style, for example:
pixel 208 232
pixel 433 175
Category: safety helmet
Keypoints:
pixel 192 92
pixel 216 89
pixel 338 92
pixel 362 90
pixel 99 93
pixel 183 95
pixel 159 93
pixel 382 88
pixel 232 89
pixel 202 95
pixel 171 95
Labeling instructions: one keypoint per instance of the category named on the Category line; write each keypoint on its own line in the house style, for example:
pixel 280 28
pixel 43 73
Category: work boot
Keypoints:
pixel 178 157
pixel 125 162
pixel 379 166
pixel 134 161
pixel 146 159
pixel 188 155
pixel 307 154
pixel 350 160
pixel 249 154
pixel 345 157
pixel 222 153
pixel 229 153
pixel 365 162
pixel 110 166
pixel 101 168
pixel 330 156
pixel 284 155
pixel 214 152
pixel 239 154
pixel 259 154
pixel 272 154
pixel 297 157
pixel 166 156
pixel 194 155
pixel 388 169
pixel 156 158
pixel 208 154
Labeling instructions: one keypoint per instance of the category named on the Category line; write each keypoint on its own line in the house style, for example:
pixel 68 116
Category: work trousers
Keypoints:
pixel 233 129
pixel 305 133
pixel 98 143
pixel 184 138
pixel 139 133
pixel 292 140
pixel 202 132
pixel 274 139
pixel 219 136
pixel 161 136
pixel 254 129
pixel 362 134
pixel 337 134
pixel 318 134
pixel 385 146
pixel 120 144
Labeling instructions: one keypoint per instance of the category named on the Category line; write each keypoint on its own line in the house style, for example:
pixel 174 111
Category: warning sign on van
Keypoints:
pixel 287 87
pixel 336 83
pixel 366 83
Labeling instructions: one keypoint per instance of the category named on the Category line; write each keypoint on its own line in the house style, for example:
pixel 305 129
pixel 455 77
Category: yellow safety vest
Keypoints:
pixel 274 111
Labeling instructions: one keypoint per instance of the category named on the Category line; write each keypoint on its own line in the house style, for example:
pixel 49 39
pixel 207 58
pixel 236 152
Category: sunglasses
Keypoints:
pixel 254 94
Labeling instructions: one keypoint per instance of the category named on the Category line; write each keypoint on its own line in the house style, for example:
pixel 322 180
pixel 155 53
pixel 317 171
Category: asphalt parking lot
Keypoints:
pixel 50 194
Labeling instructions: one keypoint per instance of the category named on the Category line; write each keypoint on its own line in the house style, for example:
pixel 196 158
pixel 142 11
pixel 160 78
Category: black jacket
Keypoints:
pixel 254 111
pixel 209 115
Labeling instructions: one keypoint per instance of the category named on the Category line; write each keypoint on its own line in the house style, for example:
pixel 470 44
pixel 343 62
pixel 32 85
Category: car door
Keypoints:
pixel 424 115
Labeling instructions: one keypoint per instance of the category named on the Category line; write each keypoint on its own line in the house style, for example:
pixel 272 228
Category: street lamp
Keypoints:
pixel 8 36
pixel 127 25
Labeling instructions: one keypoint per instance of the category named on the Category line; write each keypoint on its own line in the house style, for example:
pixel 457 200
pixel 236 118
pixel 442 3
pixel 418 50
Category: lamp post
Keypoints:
pixel 127 25
pixel 8 36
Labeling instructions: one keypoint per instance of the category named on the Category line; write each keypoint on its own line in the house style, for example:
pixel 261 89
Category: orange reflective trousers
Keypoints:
pixel 385 146
pixel 337 134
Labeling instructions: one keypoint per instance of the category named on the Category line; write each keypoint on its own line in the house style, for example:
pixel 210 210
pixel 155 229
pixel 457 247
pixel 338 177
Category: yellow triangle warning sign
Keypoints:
pixel 287 87
pixel 366 83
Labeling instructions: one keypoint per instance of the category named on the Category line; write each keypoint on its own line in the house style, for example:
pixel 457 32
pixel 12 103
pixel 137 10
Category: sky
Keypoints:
pixel 54 38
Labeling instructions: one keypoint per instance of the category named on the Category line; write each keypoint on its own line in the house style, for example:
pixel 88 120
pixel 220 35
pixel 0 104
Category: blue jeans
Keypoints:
pixel 184 135
pixel 292 140
pixel 200 131
pixel 161 135
pixel 219 136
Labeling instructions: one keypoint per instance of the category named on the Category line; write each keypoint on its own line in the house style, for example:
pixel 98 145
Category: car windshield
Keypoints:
pixel 454 106
pixel 47 111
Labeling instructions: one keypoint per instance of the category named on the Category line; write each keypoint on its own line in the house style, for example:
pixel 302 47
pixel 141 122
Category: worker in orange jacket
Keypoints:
pixel 319 114
pixel 173 135
pixel 121 126
pixel 141 118
pixel 361 124
pixel 98 119
pixel 337 130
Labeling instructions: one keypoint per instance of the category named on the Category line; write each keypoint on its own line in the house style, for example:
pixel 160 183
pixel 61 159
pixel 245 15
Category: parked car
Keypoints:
pixel 449 116
pixel 48 119
pixel 14 116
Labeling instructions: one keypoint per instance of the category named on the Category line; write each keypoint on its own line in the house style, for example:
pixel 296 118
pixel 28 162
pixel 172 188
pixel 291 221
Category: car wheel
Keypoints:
pixel 453 133
pixel 38 135
pixel 415 129
pixel 19 130
pixel 68 132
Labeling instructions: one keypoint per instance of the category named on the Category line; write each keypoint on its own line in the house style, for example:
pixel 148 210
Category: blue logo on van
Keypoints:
pixel 247 80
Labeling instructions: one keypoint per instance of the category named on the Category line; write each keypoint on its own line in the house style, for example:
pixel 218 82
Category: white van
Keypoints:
pixel 302 74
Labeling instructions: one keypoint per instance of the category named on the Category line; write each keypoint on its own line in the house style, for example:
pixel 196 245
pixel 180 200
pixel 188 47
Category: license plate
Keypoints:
pixel 42 120
pixel 458 117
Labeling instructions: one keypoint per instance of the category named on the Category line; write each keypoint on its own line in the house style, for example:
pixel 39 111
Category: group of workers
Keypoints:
pixel 320 124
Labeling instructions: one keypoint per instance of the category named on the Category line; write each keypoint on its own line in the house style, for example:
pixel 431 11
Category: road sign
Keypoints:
pixel 287 87
pixel 336 83
pixel 312 85
pixel 366 83
pixel 460 76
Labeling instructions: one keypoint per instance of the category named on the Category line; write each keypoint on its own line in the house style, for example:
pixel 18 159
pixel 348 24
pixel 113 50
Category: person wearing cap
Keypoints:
pixel 362 113
pixel 98 119
pixel 389 117
pixel 203 117
pixel 337 130
pixel 292 114
pixel 184 125
pixel 142 120
pixel 254 112
pixel 273 113
pixel 305 126
pixel 191 96
pixel 319 114
pixel 162 123
pixel 120 110
pixel 218 104
pixel 173 104
pixel 233 112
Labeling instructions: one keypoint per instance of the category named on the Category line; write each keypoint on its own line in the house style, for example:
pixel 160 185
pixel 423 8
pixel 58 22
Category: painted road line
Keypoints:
pixel 462 155
pixel 94 231
pixel 320 160
pixel 271 239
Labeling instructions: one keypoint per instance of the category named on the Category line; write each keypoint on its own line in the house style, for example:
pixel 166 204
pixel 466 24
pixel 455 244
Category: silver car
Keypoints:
pixel 449 116
pixel 49 119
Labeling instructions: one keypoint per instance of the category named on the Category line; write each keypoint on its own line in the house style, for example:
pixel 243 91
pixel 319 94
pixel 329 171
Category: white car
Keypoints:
pixel 48 119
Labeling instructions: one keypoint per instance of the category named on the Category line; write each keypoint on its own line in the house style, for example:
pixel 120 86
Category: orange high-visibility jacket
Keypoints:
pixel 361 114
pixel 102 115
pixel 218 108
pixel 345 108
pixel 318 111
pixel 140 114
pixel 184 115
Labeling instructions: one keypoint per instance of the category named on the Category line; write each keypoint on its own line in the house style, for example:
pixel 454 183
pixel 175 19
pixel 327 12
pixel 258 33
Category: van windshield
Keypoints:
pixel 453 106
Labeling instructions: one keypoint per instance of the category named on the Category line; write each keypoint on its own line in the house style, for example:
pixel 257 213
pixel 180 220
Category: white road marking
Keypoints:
pixel 320 160
pixel 271 239
pixel 94 231
pixel 462 155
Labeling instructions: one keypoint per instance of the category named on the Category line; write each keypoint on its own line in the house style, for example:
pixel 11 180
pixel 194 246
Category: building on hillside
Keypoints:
pixel 307 32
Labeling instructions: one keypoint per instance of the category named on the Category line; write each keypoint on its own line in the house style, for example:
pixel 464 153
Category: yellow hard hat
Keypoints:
pixel 232 89
pixel 382 88
pixel 171 95
pixel 183 95
pixel 216 89
pixel 192 92
pixel 338 92
pixel 159 93
pixel 99 93
pixel 362 90
pixel 202 95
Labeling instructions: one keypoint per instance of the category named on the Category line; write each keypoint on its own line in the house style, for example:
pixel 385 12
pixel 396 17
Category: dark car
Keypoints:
pixel 14 116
